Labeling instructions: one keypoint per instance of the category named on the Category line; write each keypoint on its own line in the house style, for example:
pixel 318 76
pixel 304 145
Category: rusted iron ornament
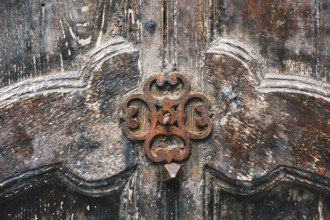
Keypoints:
pixel 167 116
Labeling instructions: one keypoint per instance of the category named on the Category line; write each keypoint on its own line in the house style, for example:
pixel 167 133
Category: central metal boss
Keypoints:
pixel 166 117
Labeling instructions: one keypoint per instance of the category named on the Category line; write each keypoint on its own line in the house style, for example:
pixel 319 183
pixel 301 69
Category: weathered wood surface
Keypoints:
pixel 264 65
pixel 74 121
pixel 257 129
pixel 286 200
pixel 56 201
pixel 38 37
pixel 285 33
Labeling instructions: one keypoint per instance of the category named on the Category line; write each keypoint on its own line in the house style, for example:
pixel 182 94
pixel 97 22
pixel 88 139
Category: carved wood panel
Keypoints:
pixel 260 74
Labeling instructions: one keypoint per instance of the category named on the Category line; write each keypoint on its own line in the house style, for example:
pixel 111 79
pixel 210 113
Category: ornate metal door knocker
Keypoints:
pixel 166 117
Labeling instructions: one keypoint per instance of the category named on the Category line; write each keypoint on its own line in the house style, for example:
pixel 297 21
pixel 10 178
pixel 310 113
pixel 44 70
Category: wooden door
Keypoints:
pixel 167 109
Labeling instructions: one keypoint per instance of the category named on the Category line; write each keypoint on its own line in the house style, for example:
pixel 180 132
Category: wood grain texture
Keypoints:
pixel 286 199
pixel 54 200
pixel 78 127
pixel 190 43
pixel 65 71
pixel 41 38
pixel 254 132
pixel 324 39
pixel 285 33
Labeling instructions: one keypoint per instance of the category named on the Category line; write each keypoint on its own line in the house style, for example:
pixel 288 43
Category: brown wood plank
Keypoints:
pixel 284 33
pixel 285 200
pixel 150 37
pixel 266 72
pixel 190 39
pixel 56 201
pixel 40 37
pixel 256 130
pixel 73 125
pixel 324 40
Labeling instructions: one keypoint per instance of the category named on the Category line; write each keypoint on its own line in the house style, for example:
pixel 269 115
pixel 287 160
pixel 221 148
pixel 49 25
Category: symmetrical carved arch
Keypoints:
pixel 81 79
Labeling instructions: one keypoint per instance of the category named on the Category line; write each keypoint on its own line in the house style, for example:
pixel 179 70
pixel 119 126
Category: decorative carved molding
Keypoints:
pixel 266 81
pixel 52 172
pixel 272 186
pixel 278 175
pixel 294 84
pixel 264 121
pixel 166 117
pixel 50 119
pixel 66 81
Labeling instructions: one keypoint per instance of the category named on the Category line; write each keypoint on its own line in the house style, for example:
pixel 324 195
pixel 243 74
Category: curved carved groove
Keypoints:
pixel 278 175
pixel 66 81
pixel 43 175
pixel 238 51
pixel 295 84
pixel 268 82
pixel 46 123
pixel 283 120
pixel 97 188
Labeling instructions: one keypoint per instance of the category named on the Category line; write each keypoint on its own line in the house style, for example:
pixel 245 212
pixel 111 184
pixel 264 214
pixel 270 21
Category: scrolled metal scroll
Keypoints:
pixel 166 117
